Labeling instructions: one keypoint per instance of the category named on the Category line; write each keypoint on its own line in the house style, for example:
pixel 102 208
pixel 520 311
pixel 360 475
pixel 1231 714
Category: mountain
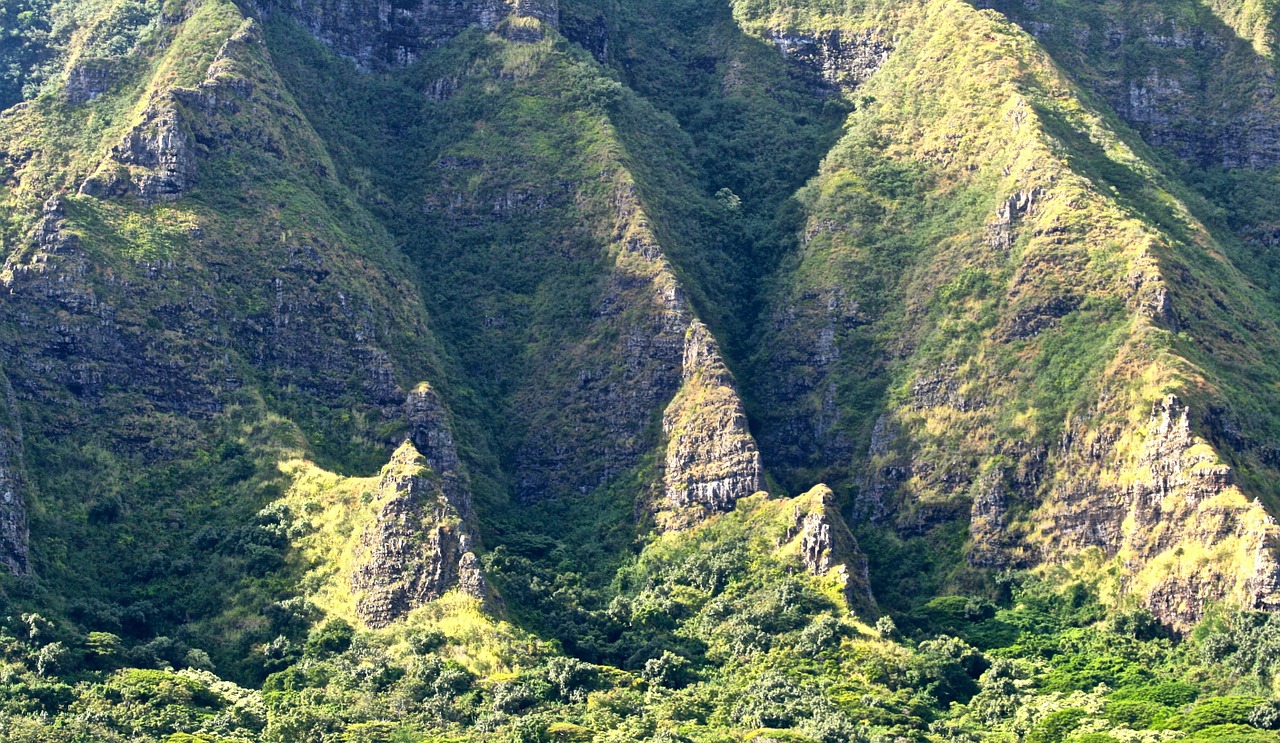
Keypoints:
pixel 682 370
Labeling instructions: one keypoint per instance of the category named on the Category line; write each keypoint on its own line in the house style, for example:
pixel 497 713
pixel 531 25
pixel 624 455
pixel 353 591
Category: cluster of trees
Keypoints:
pixel 700 641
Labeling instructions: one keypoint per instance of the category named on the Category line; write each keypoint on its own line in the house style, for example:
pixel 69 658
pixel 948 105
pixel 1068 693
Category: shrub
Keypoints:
pixel 1219 711
pixel 823 634
pixel 668 670
pixel 1056 726
pixel 334 636
pixel 1167 693
pixel 1137 714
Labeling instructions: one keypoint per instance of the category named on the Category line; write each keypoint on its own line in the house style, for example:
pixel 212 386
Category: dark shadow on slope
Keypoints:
pixel 512 274
pixel 756 128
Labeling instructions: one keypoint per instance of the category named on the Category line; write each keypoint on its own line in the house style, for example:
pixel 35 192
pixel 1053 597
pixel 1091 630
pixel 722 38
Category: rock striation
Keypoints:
pixel 420 543
pixel 711 459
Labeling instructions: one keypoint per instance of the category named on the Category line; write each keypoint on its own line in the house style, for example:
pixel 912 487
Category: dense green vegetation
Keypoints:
pixel 723 643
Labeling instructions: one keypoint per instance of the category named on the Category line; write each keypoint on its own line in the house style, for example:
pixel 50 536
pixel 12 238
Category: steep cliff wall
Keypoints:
pixel 14 491
pixel 1175 72
pixel 382 35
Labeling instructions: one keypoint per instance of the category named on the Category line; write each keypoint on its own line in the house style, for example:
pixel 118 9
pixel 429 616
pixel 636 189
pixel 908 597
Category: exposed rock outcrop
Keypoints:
pixel 418 545
pixel 432 435
pixel 157 160
pixel 826 546
pixel 1191 85
pixel 1002 231
pixel 712 460
pixel 842 60
pixel 1164 509
pixel 88 79
pixel 158 155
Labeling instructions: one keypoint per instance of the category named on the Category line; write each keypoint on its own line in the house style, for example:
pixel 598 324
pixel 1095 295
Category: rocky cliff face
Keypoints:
pixel 712 460
pixel 626 367
pixel 419 544
pixel 422 541
pixel 992 283
pixel 14 533
pixel 841 60
pixel 1155 502
pixel 961 346
pixel 137 315
pixel 431 434
pixel 1180 75
pixel 382 35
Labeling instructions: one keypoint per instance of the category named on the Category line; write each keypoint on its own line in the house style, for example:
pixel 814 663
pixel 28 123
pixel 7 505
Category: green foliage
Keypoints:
pixel 1057 726
pixel 1227 710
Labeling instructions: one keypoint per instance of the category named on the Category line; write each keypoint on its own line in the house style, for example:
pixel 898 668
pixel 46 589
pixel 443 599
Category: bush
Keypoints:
pixel 1137 714
pixel 669 670
pixel 334 636
pixel 1266 716
pixel 1218 711
pixel 1167 693
pixel 570 678
pixel 822 635
pixel 1056 726
pixel 1233 733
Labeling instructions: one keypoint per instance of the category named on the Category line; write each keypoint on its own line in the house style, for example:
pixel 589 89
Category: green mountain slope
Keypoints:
pixel 1040 300
pixel 471 371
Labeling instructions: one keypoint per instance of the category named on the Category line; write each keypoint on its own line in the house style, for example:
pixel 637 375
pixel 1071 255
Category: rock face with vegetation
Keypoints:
pixel 381 35
pixel 418 546
pixel 403 369
pixel 712 461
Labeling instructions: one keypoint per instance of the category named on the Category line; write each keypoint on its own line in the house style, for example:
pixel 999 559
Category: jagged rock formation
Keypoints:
pixel 1157 502
pixel 158 152
pixel 431 433
pixel 421 541
pixel 418 545
pixel 712 460
pixel 826 547
pixel 156 160
pixel 993 280
pixel 973 343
